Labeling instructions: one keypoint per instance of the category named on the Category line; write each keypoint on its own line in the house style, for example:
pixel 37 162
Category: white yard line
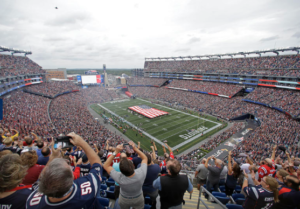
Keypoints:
pixel 145 133
pixel 180 111
pixel 157 140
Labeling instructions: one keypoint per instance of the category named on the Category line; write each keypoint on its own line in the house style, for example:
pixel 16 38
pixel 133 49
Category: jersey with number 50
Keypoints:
pixel 83 194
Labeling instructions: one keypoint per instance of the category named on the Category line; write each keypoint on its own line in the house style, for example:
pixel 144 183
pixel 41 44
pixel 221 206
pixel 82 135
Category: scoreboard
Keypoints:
pixel 92 79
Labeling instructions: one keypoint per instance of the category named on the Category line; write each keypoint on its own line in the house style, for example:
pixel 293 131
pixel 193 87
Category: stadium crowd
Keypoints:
pixel 210 87
pixel 52 88
pixel 17 65
pixel 273 65
pixel 145 81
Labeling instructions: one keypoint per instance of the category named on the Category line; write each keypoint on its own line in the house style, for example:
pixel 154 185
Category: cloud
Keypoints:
pixel 296 35
pixel 182 50
pixel 194 40
pixel 271 38
pixel 69 19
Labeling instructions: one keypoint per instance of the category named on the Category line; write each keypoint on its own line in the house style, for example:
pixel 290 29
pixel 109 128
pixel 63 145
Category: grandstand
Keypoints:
pixel 257 96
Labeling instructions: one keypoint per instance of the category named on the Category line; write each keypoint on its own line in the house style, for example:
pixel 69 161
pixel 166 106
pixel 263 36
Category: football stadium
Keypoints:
pixel 143 109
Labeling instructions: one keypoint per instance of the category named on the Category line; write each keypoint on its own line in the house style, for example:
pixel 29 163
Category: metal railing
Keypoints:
pixel 202 189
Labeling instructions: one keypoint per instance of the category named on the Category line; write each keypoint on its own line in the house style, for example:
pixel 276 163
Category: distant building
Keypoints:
pixel 60 73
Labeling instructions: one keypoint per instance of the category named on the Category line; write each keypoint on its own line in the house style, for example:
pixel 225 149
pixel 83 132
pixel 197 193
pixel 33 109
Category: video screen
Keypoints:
pixel 86 79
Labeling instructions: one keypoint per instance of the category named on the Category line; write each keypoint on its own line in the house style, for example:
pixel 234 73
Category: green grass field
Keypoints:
pixel 182 130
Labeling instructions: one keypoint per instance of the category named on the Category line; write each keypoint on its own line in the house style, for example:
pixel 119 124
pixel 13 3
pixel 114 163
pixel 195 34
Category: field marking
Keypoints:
pixel 180 111
pixel 145 133
pixel 157 140
pixel 172 124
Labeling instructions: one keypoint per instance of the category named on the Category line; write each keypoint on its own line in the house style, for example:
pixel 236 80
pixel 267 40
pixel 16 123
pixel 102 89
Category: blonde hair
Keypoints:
pixel 12 172
pixel 7 141
pixel 5 152
pixel 273 186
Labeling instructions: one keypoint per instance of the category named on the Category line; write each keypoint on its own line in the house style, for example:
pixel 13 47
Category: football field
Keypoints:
pixel 181 129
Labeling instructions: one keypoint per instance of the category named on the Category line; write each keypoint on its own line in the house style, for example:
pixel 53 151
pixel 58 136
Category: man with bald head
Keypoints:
pixel 172 187
pixel 214 173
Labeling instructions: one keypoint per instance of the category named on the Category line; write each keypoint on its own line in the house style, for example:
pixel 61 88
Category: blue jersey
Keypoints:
pixel 258 197
pixel 83 195
pixel 77 154
pixel 85 169
pixel 16 200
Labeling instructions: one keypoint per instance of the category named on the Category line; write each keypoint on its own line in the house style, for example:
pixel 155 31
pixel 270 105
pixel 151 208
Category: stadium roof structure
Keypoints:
pixel 245 53
pixel 14 51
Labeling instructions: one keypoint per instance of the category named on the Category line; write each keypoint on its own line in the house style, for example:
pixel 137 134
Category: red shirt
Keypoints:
pixel 33 174
pixel 265 170
pixel 163 163
pixel 116 159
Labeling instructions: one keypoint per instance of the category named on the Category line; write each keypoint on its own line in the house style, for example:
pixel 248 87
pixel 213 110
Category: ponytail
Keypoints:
pixel 273 186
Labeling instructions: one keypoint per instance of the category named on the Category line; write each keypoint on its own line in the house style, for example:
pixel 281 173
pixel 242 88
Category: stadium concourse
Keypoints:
pixel 261 172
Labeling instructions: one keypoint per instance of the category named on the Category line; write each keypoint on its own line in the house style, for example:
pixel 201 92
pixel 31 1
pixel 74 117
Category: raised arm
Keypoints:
pixel 139 152
pixel 164 149
pixel 208 159
pixel 274 152
pixel 229 164
pixel 107 165
pixel 96 148
pixel 106 145
pixel 169 148
pixel 154 146
pixel 249 160
pixel 90 153
pixel 153 153
pixel 139 145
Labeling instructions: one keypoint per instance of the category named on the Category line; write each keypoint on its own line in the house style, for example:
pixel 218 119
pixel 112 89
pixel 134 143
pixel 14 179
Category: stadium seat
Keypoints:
pixel 103 178
pixel 110 183
pixel 219 194
pixel 103 193
pixel 147 206
pixel 223 200
pixel 103 201
pixel 232 206
pixel 111 179
pixel 148 200
pixel 238 189
pixel 222 188
pixel 240 201
pixel 236 196
pixel 103 187
pixel 112 188
pixel 110 195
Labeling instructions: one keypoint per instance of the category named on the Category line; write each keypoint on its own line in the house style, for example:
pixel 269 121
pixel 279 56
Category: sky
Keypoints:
pixel 121 33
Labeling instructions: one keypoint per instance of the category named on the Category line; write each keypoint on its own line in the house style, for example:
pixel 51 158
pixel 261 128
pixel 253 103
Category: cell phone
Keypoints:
pixel 63 142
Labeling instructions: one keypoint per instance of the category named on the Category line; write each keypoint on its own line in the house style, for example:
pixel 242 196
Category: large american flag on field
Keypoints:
pixel 148 111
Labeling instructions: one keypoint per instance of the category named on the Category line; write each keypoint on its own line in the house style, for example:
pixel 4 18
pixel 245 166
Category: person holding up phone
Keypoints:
pixel 130 180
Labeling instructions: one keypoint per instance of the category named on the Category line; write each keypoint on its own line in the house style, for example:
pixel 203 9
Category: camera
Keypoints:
pixel 63 142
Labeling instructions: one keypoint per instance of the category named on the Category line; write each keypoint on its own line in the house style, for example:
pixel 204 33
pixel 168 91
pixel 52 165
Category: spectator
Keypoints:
pixel 12 172
pixel 56 188
pixel 172 186
pixel 44 158
pixel 223 175
pixel 266 169
pixel 116 166
pixel 152 173
pixel 130 180
pixel 30 146
pixel 232 176
pixel 40 145
pixel 289 194
pixel 85 166
pixel 214 174
pixel 8 146
pixel 261 196
pixel 201 174
pixel 280 176
pixel 30 159
pixel 5 152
